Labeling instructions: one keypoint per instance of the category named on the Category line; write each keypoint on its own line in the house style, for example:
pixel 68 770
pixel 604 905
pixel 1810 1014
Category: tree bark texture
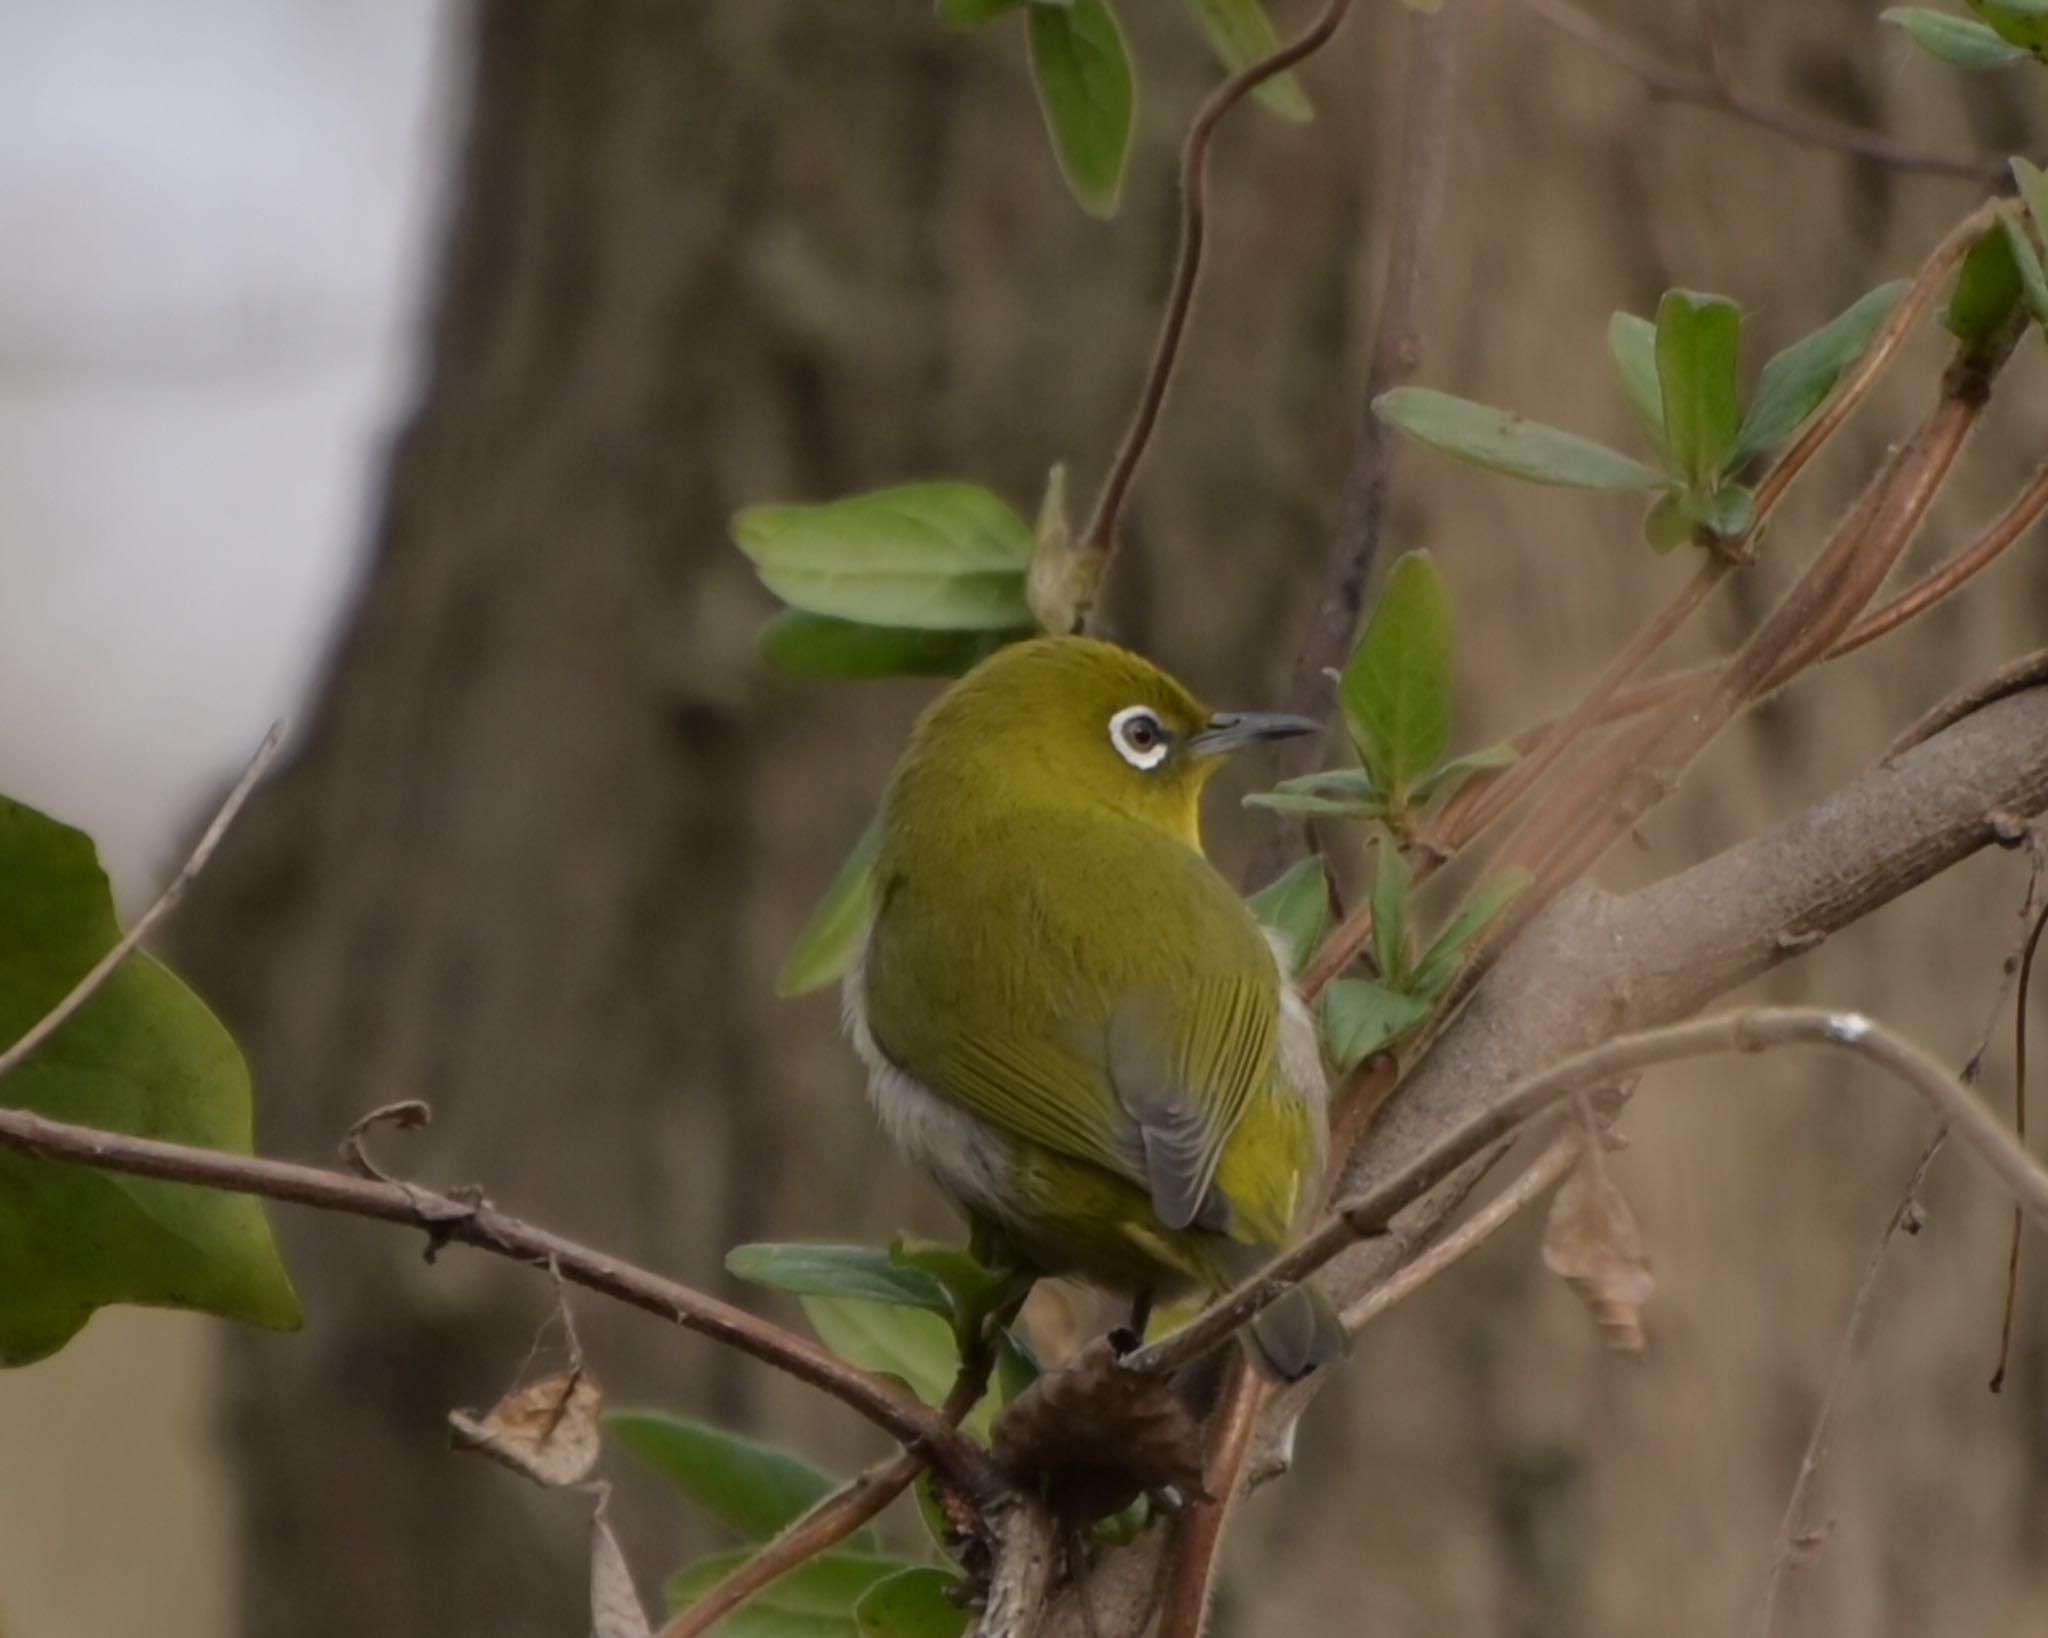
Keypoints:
pixel 551 827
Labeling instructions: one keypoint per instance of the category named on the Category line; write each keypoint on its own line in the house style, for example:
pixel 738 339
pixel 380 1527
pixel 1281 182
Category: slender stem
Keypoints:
pixel 1711 91
pixel 1098 541
pixel 147 923
pixel 2019 1129
pixel 1198 1533
pixel 828 1523
pixel 447 1219
pixel 1500 1210
pixel 1751 1029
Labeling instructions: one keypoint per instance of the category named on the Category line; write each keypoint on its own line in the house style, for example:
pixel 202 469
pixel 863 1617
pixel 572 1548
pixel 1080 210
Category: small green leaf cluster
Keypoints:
pixel 1395 691
pixel 1680 376
pixel 908 1313
pixel 2002 277
pixel 143 1056
pixel 1087 88
pixel 2013 31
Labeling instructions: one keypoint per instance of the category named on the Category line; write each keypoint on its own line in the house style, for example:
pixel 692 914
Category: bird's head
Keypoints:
pixel 1070 721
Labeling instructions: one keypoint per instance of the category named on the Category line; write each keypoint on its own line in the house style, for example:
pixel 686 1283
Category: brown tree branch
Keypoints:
pixel 1722 96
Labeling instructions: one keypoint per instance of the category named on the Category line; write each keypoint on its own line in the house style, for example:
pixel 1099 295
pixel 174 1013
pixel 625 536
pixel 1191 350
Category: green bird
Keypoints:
pixel 1069 1018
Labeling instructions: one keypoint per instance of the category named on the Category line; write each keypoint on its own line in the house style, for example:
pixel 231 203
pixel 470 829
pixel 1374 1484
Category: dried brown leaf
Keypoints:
pixel 615 1608
pixel 1591 1240
pixel 546 1431
pixel 1091 1436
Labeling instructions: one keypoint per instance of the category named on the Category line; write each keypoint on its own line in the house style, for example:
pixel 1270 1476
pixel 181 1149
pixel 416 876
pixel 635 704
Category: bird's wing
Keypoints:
pixel 1139 1058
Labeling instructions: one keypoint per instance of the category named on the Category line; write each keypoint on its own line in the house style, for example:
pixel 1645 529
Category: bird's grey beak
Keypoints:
pixel 1233 730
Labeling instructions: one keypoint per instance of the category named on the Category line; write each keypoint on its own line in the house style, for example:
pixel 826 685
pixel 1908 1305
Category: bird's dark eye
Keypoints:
pixel 1139 736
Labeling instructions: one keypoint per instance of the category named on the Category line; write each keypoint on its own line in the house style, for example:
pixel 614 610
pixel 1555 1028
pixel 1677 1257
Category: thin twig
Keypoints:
pixel 1750 1029
pixel 1500 1210
pixel 1098 540
pixel 447 1219
pixel 2019 1128
pixel 1708 91
pixel 1905 1216
pixel 147 923
pixel 1197 1541
pixel 830 1521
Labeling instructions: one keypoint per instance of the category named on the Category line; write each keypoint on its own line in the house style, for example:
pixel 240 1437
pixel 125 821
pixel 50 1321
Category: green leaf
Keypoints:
pixel 1338 793
pixel 1361 1017
pixel 1083 75
pixel 1798 381
pixel 1730 512
pixel 1671 520
pixel 1445 780
pixel 1955 40
pixel 866 1272
pixel 914 1603
pixel 1632 344
pixel 2023 22
pixel 2033 186
pixel 1698 337
pixel 1502 442
pixel 973 1290
pixel 817 645
pixel 1396 687
pixel 825 949
pixel 815 1600
pixel 911 1344
pixel 1390 915
pixel 1987 289
pixel 936 556
pixel 1479 912
pixel 972 14
pixel 1016 1366
pixel 1240 33
pixel 144 1056
pixel 2027 261
pixel 753 1488
pixel 1297 908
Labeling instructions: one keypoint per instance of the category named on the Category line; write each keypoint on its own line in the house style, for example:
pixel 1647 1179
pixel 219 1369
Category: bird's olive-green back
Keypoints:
pixel 1052 952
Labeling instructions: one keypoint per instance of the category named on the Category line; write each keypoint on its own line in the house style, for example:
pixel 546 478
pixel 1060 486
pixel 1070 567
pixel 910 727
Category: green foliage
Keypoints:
pixel 825 949
pixel 933 556
pixel 1361 1017
pixel 864 1272
pixel 1088 95
pixel 1632 344
pixel 1297 907
pixel 143 1056
pixel 1797 381
pixel 912 1345
pixel 1433 973
pixel 1396 687
pixel 1698 340
pixel 1509 443
pixel 756 1490
pixel 919 1602
pixel 1335 793
pixel 818 645
pixel 1240 33
pixel 2022 22
pixel 1987 292
pixel 1446 778
pixel 1391 946
pixel 2027 264
pixel 817 1599
pixel 1955 40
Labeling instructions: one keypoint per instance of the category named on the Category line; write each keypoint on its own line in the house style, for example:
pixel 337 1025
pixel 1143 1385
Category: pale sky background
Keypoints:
pixel 214 221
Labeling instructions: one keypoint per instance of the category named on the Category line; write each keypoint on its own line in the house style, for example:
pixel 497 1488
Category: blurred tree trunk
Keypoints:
pixel 550 827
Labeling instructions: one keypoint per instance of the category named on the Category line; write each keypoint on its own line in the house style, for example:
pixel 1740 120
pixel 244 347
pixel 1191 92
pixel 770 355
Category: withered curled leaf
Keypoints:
pixel 546 1430
pixel 1092 1437
pixel 1592 1241
pixel 615 1608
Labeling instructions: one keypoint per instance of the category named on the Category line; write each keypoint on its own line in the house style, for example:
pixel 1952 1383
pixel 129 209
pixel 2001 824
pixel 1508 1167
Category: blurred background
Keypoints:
pixel 395 368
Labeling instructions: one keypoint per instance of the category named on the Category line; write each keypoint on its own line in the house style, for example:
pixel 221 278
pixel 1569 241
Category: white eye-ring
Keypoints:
pixel 1139 736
